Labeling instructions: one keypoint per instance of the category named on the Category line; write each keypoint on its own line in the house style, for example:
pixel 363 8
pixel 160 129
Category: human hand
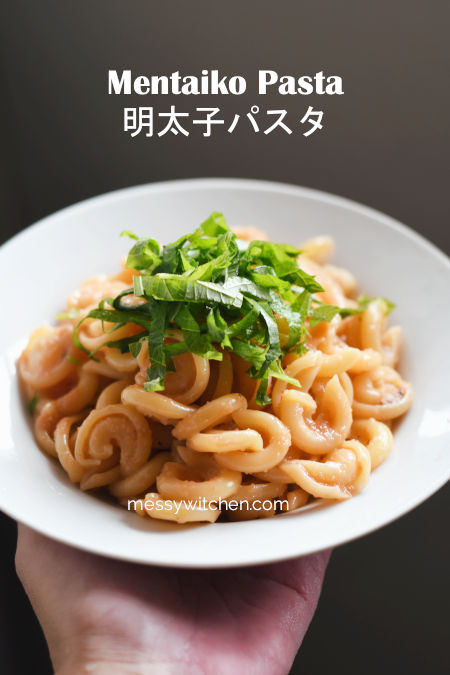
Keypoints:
pixel 103 616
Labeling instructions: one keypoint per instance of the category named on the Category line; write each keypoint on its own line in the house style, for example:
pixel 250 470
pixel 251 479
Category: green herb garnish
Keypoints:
pixel 32 404
pixel 252 300
pixel 74 360
pixel 71 314
pixel 327 312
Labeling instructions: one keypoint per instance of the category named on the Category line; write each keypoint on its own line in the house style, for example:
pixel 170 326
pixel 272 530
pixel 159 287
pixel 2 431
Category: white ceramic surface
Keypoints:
pixel 39 268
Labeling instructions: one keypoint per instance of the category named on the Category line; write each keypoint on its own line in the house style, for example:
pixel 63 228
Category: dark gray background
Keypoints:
pixel 385 602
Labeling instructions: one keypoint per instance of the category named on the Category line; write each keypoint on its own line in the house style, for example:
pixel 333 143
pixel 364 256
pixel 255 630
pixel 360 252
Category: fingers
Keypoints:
pixel 37 568
pixel 28 554
pixel 303 577
pixel 242 617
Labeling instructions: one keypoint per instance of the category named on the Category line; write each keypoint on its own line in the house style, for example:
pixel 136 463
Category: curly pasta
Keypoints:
pixel 191 450
pixel 319 425
pixel 341 474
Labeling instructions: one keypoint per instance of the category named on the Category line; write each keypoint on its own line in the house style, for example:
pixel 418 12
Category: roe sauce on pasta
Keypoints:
pixel 220 375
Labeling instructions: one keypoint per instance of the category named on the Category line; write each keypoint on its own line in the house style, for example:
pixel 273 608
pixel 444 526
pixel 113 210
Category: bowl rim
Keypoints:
pixel 234 183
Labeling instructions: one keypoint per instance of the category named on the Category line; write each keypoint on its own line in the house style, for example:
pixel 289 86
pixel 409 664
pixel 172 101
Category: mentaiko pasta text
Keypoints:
pixel 149 122
pixel 212 82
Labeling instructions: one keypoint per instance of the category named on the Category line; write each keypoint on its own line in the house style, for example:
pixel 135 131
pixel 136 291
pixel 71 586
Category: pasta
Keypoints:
pixel 216 378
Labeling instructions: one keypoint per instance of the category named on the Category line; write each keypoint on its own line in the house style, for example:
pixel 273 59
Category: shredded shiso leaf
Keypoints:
pixel 221 295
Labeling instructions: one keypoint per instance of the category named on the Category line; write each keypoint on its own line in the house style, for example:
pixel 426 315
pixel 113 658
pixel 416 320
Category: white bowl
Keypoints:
pixel 40 267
